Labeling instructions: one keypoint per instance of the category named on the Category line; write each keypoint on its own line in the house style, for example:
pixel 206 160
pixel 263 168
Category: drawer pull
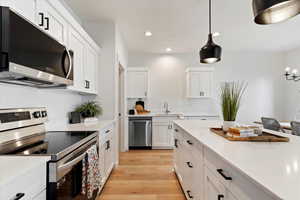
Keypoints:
pixel 176 130
pixel 176 143
pixel 107 131
pixel 19 196
pixel 221 172
pixel 220 196
pixel 189 194
pixel 189 142
pixel 189 164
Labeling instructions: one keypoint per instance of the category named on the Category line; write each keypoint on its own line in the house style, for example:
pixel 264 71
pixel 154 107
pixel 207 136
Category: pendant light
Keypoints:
pixel 274 11
pixel 211 52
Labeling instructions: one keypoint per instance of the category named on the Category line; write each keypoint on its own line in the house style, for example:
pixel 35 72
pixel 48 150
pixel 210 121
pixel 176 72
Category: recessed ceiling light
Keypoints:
pixel 148 33
pixel 168 49
pixel 216 34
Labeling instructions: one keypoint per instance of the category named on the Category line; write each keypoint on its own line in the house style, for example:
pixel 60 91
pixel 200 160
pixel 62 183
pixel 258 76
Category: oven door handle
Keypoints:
pixel 71 163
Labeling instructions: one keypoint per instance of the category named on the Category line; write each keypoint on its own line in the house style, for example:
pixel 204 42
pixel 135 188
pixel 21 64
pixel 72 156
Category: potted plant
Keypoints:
pixel 89 111
pixel 231 95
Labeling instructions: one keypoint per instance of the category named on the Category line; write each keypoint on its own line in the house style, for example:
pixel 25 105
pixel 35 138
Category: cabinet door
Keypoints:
pixel 102 163
pixel 77 45
pixel 51 21
pixel 213 189
pixel 90 70
pixel 26 8
pixel 137 84
pixel 199 84
pixel 205 81
pixel 162 136
pixel 194 84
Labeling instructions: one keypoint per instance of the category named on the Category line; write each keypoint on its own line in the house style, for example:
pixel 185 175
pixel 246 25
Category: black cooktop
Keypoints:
pixel 58 141
pixel 55 142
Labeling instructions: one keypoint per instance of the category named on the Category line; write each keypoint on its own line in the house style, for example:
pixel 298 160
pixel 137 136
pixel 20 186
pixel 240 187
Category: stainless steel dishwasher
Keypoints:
pixel 140 133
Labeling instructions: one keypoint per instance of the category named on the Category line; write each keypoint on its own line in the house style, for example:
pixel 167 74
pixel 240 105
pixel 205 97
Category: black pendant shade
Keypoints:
pixel 211 52
pixel 274 11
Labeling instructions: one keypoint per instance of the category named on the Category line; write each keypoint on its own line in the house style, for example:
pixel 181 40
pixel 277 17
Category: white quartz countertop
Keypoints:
pixel 91 126
pixel 273 166
pixel 12 167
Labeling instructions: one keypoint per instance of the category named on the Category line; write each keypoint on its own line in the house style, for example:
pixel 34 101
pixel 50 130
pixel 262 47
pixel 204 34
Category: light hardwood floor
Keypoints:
pixel 143 175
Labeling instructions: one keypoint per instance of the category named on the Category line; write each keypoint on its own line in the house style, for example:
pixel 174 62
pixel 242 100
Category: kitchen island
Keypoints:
pixel 210 167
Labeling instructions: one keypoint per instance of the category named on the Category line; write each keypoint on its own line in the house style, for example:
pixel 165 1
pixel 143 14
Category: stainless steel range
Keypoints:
pixel 23 133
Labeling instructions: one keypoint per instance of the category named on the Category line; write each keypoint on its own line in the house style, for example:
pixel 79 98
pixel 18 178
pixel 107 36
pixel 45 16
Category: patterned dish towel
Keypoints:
pixel 90 172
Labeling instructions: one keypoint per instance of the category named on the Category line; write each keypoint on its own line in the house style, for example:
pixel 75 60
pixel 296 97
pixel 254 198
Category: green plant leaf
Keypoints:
pixel 231 95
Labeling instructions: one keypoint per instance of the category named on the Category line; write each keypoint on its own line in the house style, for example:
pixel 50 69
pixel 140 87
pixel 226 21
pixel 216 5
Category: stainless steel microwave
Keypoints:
pixel 30 56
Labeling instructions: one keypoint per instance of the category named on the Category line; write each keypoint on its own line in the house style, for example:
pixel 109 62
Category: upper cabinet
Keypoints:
pixel 49 20
pixel 77 47
pixel 137 82
pixel 199 82
pixel 91 70
pixel 55 20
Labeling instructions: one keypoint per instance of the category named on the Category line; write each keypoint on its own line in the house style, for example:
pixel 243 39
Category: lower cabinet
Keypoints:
pixel 106 153
pixel 162 133
pixel 204 175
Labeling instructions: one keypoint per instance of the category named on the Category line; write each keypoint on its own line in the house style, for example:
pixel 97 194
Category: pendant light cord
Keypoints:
pixel 209 16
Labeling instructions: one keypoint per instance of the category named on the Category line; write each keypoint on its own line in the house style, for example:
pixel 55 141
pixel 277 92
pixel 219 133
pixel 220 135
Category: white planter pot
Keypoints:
pixel 90 120
pixel 227 125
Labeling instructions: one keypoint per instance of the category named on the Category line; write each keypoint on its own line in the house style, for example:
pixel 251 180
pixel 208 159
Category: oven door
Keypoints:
pixel 65 176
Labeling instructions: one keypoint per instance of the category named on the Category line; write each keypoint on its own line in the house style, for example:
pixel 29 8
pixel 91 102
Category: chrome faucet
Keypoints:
pixel 166 107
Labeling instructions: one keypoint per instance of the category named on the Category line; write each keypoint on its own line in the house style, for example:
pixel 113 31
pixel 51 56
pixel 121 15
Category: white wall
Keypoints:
pixel 103 32
pixel 262 71
pixel 291 91
pixel 59 102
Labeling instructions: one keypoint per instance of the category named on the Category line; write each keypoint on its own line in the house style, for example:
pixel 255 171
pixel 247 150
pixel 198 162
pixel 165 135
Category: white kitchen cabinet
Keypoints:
pixel 41 196
pixel 162 132
pixel 205 175
pixel 77 46
pixel 199 82
pixel 26 8
pixel 90 69
pixel 213 189
pixel 137 83
pixel 49 20
pixel 19 185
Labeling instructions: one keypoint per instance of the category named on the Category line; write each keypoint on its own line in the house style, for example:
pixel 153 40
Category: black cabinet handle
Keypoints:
pixel 189 194
pixel 19 196
pixel 189 142
pixel 176 143
pixel 107 145
pixel 220 196
pixel 107 131
pixel 47 23
pixel 176 130
pixel 42 19
pixel 87 84
pixel 189 164
pixel 221 172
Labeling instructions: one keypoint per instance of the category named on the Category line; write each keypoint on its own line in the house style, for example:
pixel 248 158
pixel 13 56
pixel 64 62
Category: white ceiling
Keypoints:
pixel 182 24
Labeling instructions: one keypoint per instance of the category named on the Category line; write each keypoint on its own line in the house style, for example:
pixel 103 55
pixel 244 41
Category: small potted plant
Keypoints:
pixel 89 111
pixel 231 95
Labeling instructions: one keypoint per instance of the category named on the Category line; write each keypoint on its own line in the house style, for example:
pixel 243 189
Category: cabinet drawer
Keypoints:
pixel 107 130
pixel 238 184
pixel 190 143
pixel 37 179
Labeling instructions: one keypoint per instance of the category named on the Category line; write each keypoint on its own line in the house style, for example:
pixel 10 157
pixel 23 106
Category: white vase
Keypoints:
pixel 227 125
